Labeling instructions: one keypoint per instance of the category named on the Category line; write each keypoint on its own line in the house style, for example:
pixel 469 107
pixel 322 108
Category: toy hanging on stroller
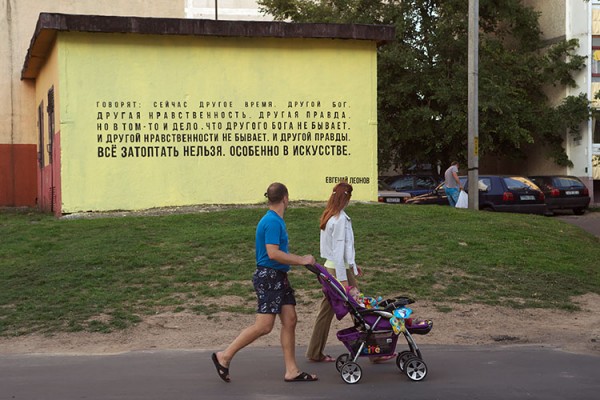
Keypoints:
pixel 376 330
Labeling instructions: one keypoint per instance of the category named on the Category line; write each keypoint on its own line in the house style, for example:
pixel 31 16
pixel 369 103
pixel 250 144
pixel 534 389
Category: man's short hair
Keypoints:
pixel 276 192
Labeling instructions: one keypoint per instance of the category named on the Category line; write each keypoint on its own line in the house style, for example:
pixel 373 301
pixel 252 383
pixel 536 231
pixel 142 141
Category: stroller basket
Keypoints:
pixel 375 344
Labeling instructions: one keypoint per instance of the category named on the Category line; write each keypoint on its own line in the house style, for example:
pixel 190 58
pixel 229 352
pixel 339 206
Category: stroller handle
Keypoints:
pixel 312 269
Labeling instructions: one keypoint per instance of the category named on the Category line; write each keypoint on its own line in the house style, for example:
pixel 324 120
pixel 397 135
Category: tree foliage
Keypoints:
pixel 423 77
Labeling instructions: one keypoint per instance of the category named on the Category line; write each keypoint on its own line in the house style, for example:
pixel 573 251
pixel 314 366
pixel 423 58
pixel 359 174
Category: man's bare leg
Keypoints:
pixel 289 319
pixel 262 326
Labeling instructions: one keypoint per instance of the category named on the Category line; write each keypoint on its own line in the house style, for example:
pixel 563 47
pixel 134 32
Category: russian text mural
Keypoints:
pixel 156 120
pixel 215 122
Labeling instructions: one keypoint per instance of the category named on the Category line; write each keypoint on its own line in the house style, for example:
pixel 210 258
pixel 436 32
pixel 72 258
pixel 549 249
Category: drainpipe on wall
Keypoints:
pixel 11 161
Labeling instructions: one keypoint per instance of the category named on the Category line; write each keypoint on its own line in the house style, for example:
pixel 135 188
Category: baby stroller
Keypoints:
pixel 375 331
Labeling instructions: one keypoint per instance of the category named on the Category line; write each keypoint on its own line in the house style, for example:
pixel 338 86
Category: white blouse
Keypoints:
pixel 337 244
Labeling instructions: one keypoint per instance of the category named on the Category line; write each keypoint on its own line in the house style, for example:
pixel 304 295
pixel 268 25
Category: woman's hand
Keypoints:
pixel 359 269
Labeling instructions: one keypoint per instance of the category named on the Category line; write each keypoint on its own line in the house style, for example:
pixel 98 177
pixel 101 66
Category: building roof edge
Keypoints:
pixel 49 24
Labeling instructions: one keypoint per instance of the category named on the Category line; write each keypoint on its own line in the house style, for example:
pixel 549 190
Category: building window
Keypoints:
pixel 595 59
pixel 596 131
pixel 40 125
pixel 595 62
pixel 50 111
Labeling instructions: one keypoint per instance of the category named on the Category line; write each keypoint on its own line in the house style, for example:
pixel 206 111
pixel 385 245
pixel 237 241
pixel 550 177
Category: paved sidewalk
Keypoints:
pixel 589 222
pixel 454 373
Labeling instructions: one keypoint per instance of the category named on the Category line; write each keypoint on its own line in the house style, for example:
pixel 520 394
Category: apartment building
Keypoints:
pixel 575 19
pixel 595 90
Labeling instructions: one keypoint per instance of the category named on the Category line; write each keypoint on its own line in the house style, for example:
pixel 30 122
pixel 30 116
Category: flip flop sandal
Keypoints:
pixel 221 370
pixel 303 377
pixel 326 358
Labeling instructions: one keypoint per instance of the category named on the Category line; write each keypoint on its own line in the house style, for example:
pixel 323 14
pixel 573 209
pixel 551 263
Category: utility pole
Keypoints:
pixel 473 105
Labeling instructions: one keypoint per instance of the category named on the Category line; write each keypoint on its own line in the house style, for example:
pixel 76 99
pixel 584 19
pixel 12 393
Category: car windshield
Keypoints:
pixel 384 186
pixel 403 183
pixel 484 183
pixel 567 182
pixel 518 183
pixel 425 182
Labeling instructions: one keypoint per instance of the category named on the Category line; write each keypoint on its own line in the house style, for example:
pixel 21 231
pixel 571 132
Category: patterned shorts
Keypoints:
pixel 273 290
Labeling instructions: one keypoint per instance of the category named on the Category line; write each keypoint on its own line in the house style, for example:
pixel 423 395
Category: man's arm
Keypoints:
pixel 455 175
pixel 287 258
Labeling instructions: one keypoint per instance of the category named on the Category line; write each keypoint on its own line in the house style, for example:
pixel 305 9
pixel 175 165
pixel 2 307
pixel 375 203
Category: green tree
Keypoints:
pixel 423 76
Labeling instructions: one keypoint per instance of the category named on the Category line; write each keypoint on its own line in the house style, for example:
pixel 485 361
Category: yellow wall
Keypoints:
pixel 271 89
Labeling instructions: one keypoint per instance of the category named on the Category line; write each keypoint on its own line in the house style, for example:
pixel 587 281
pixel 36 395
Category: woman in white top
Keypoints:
pixel 337 248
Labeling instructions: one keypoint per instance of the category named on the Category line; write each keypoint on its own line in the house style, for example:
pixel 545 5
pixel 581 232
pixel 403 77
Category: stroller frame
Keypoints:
pixel 371 335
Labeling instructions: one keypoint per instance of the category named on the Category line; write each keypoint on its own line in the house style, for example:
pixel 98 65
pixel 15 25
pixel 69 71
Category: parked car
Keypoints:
pixel 413 184
pixel 387 194
pixel 563 192
pixel 508 193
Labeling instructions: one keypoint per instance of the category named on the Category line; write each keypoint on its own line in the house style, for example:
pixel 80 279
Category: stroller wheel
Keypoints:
pixel 402 357
pixel 351 372
pixel 415 369
pixel 341 360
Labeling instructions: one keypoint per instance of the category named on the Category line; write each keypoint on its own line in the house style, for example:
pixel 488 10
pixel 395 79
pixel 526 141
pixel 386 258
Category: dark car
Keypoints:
pixel 508 193
pixel 436 196
pixel 413 184
pixel 563 192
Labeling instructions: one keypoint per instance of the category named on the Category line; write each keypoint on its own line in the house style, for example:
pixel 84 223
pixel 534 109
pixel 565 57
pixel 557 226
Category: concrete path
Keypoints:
pixel 454 373
pixel 589 222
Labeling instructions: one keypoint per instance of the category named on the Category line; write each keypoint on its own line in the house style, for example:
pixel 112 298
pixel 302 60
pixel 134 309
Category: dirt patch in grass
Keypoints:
pixel 454 324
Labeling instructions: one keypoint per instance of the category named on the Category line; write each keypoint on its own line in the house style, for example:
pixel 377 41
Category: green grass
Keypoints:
pixel 105 274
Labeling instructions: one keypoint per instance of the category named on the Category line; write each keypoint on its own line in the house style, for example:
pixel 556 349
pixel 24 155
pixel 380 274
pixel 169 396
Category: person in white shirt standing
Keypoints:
pixel 452 185
pixel 337 248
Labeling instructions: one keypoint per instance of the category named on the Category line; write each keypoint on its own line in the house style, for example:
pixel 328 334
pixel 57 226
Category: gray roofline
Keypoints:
pixel 50 23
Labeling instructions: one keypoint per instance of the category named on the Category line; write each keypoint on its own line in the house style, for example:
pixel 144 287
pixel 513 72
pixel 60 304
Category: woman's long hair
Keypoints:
pixel 337 201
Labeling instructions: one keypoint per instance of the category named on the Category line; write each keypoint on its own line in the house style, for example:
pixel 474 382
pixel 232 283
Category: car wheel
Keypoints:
pixel 579 211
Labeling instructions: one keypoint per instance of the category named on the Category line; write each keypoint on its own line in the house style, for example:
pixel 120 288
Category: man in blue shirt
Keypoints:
pixel 273 290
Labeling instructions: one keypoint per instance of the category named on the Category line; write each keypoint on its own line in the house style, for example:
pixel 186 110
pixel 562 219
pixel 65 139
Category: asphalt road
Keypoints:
pixel 589 222
pixel 454 372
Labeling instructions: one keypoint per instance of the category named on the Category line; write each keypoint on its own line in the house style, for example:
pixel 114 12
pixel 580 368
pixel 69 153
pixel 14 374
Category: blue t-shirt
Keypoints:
pixel 271 230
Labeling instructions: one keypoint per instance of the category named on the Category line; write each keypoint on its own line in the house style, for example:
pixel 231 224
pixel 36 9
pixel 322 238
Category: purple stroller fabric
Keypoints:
pixel 335 293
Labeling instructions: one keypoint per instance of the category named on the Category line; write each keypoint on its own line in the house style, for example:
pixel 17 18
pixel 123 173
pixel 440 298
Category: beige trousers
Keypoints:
pixel 320 333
